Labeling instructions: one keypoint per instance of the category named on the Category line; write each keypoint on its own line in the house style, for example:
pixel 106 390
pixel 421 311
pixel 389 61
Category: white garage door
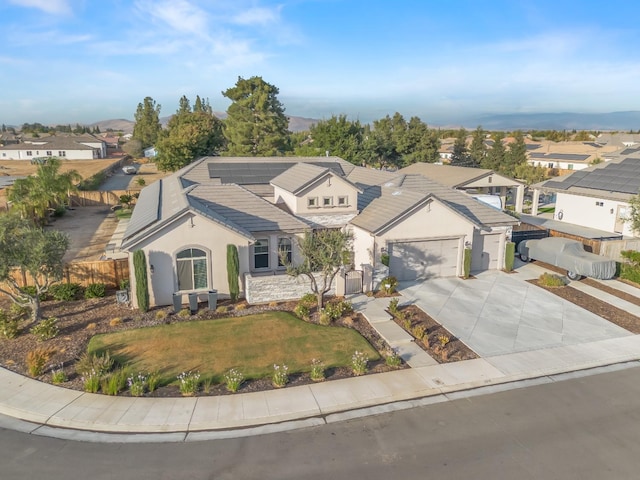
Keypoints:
pixel 425 259
pixel 486 249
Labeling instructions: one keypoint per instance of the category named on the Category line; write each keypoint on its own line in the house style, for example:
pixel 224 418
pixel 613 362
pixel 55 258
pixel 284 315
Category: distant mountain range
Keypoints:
pixel 296 124
pixel 559 121
pixel 623 121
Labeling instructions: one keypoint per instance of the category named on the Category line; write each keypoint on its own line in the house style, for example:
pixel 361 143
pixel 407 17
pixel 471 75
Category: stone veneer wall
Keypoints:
pixel 273 288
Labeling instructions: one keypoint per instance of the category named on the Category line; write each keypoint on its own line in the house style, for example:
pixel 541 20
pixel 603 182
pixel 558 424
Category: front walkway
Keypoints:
pixel 498 313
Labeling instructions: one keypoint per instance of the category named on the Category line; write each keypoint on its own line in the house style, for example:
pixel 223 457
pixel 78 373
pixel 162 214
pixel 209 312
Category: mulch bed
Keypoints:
pixel 80 320
pixel 454 351
pixel 605 310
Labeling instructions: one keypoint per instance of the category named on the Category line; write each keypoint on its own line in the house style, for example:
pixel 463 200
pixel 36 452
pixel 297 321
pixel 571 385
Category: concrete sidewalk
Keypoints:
pixel 58 412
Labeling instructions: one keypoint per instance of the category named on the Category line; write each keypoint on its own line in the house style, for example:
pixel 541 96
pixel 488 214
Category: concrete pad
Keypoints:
pixel 471 373
pixel 294 403
pixel 392 333
pixel 414 355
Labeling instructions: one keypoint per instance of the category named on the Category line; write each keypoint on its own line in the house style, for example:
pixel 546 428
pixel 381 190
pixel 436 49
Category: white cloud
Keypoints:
pixel 180 15
pixel 258 16
pixel 56 7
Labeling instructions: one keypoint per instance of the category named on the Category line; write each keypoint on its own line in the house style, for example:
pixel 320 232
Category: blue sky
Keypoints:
pixel 67 61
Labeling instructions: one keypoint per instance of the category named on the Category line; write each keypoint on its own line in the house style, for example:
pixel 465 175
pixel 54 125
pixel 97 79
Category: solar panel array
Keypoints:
pixel 623 177
pixel 147 209
pixel 593 144
pixel 251 173
pixel 576 157
pixel 629 151
pixel 533 146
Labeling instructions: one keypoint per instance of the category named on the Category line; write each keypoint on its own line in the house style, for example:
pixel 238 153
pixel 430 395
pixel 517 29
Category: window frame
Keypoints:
pixel 191 264
pixel 326 204
pixel 263 254
pixel 343 200
pixel 312 202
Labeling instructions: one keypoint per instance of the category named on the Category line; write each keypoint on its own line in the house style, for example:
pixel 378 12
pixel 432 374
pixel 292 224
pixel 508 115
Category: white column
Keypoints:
pixel 519 198
pixel 536 202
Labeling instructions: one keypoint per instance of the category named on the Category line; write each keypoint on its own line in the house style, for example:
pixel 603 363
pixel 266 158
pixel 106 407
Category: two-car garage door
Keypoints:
pixel 420 260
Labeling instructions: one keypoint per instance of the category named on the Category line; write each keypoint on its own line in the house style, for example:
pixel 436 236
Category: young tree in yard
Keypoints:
pixel 478 149
pixel 460 156
pixel 35 253
pixel 323 254
pixel 147 126
pixel 496 155
pixel 256 124
pixel 633 218
pixel 516 155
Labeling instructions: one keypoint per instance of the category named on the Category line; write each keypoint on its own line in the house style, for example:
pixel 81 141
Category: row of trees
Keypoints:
pixel 256 125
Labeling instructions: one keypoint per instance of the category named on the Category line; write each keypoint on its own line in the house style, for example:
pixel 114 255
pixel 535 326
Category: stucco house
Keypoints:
pixel 84 147
pixel 597 197
pixel 184 223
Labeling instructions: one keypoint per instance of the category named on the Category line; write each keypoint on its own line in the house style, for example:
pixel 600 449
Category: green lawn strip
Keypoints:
pixel 124 213
pixel 546 209
pixel 253 344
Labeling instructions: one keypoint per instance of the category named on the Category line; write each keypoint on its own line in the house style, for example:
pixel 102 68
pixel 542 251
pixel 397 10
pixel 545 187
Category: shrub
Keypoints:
pixel 509 256
pixel 406 324
pixel 114 322
pixel 301 311
pixel 137 384
pixel 273 304
pixel 418 331
pixel 65 291
pixel 9 326
pixel 161 314
pixel 233 380
pixel 630 268
pixel 239 307
pixel 393 306
pixel 20 312
pixel 91 326
pixel 308 300
pixel 188 383
pixel 37 359
pixel 206 385
pixel 359 362
pixel 324 318
pixel 233 271
pixel 32 291
pixel 384 259
pixel 46 329
pixel 99 364
pixel 221 309
pixel 141 182
pixel 466 265
pixel 91 382
pixel 389 285
pixel 95 290
pixel 153 381
pixel 58 375
pixel 114 383
pixel 335 310
pixel 142 287
pixel 317 370
pixel 551 280
pixel 443 340
pixel 124 284
pixel 393 359
pixel 184 313
pixel 280 375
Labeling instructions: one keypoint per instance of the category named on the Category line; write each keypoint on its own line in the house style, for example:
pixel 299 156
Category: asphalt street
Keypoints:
pixel 582 428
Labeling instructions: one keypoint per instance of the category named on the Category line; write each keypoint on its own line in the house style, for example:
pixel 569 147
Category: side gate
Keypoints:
pixel 353 282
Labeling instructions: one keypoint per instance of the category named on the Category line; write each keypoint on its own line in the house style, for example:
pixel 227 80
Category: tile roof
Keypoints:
pixel 448 175
pixel 300 176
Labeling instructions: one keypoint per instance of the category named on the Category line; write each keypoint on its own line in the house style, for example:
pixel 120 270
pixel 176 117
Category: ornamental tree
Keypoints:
pixel 32 253
pixel 323 255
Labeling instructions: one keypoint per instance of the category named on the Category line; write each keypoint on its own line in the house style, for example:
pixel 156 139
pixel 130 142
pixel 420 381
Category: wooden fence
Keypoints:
pixel 612 248
pixel 94 198
pixel 109 272
pixel 591 244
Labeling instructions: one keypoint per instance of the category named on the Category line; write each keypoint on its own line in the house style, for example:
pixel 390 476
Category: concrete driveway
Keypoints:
pixel 498 313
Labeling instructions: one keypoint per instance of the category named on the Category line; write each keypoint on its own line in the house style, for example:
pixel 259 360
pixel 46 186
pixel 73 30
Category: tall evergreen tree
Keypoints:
pixel 496 155
pixel 147 126
pixel 460 155
pixel 419 143
pixel 478 149
pixel 516 154
pixel 256 124
pixel 338 136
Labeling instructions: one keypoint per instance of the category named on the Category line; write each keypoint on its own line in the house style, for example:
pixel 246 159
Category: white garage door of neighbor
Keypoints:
pixel 486 249
pixel 425 259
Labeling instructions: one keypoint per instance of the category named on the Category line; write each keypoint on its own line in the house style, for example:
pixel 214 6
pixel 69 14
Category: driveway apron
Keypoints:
pixel 497 313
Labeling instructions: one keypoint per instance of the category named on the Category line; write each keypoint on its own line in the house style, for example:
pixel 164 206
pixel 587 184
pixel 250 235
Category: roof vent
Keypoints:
pixel 396 193
pixel 388 184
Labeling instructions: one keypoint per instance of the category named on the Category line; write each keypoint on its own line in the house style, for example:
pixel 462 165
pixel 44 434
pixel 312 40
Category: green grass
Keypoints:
pixel 123 213
pixel 547 210
pixel 253 344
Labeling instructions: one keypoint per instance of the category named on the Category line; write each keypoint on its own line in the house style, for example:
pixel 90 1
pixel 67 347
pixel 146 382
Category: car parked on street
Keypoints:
pixel 569 255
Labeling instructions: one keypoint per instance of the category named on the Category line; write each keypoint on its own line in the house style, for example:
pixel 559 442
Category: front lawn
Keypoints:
pixel 253 344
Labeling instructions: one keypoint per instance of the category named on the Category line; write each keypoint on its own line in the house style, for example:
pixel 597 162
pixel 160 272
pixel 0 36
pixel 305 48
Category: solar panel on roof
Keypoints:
pixel 533 146
pixel 593 144
pixel 258 173
pixel 629 151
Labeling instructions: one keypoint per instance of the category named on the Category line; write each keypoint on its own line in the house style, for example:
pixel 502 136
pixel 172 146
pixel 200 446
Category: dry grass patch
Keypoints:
pixel 252 344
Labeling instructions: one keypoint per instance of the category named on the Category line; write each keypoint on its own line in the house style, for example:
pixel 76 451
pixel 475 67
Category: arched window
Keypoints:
pixel 191 265
pixel 284 250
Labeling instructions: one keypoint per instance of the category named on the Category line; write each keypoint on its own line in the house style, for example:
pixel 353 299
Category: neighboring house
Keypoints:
pixel 471 180
pixel 8 138
pixel 66 148
pixel 597 197
pixel 568 156
pixel 262 205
